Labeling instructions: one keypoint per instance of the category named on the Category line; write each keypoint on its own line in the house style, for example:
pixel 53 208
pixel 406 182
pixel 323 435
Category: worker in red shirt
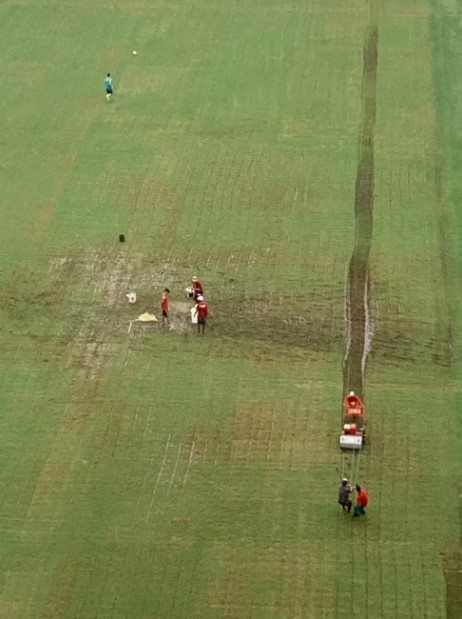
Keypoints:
pixel 202 312
pixel 361 501
pixel 165 307
pixel 197 288
pixel 352 399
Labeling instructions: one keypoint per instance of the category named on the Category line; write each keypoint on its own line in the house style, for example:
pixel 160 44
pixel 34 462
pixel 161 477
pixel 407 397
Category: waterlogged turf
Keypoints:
pixel 156 473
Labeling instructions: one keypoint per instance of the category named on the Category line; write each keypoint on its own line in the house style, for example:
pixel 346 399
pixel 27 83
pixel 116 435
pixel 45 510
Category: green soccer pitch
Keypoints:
pixel 260 145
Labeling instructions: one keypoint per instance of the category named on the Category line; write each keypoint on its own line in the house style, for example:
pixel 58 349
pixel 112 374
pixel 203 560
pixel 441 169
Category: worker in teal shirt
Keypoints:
pixel 108 87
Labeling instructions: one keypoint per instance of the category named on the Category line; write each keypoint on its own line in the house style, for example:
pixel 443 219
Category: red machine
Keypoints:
pixel 353 433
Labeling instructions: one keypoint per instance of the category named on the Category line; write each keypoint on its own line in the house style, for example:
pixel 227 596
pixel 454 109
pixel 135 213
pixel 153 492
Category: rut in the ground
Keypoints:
pixel 358 326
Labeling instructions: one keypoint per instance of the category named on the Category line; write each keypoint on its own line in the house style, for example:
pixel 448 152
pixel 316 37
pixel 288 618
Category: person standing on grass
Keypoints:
pixel 361 501
pixel 165 307
pixel 202 311
pixel 108 87
pixel 344 495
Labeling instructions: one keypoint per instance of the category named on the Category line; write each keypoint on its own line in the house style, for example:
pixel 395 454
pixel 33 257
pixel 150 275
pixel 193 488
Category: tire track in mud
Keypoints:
pixel 358 334
pixel 357 296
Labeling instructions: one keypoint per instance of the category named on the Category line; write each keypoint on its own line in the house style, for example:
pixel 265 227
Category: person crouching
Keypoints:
pixel 197 289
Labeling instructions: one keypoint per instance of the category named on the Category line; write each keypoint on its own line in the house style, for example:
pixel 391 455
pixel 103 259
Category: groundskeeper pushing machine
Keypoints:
pixel 353 435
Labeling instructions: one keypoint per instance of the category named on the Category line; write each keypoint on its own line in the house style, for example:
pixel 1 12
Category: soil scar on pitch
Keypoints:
pixel 358 325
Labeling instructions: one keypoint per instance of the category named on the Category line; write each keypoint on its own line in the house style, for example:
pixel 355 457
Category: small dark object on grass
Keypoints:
pixel 122 238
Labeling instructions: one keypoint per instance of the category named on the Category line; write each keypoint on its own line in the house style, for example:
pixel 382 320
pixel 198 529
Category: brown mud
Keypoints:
pixel 358 324
pixel 453 579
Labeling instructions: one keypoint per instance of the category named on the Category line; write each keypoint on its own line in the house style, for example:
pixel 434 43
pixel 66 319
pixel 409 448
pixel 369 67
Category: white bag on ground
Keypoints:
pixel 193 315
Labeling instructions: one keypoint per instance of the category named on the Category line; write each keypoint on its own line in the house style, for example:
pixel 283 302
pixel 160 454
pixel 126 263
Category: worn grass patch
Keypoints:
pixel 159 473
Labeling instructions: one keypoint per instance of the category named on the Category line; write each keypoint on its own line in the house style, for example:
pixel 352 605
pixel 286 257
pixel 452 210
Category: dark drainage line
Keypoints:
pixel 358 326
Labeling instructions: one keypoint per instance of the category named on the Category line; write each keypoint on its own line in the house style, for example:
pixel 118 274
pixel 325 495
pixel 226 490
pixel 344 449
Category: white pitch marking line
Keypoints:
pixel 191 456
pixel 174 468
pixel 167 445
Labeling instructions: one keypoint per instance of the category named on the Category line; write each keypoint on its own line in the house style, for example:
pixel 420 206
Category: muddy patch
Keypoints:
pixel 61 591
pixel 285 323
pixel 279 433
pixel 256 432
pixel 453 577
pixel 263 432
pixel 357 297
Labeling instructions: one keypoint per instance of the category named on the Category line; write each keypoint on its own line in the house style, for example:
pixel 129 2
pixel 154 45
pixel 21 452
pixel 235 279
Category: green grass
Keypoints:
pixel 155 474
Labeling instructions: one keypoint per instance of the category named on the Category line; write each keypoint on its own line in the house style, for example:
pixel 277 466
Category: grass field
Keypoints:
pixel 153 473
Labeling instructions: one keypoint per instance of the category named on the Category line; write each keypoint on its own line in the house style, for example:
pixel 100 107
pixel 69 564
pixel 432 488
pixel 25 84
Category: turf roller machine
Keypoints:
pixel 353 434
